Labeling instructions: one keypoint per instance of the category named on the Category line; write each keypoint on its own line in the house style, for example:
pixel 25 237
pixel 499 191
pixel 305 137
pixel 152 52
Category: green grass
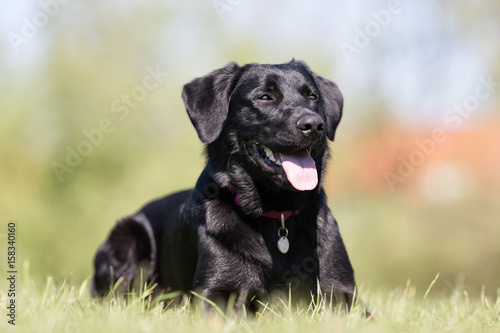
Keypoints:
pixel 65 307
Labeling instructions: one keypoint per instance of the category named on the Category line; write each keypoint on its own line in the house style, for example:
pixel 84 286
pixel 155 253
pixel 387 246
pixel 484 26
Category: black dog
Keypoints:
pixel 258 219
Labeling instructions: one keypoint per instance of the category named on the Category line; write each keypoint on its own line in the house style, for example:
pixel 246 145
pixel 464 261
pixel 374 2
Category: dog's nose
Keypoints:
pixel 311 125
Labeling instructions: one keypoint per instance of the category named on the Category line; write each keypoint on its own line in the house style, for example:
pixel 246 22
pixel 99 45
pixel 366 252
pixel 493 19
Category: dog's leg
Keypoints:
pixel 130 245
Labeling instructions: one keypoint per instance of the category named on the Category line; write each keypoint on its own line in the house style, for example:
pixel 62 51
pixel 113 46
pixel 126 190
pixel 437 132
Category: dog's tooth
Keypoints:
pixel 268 152
pixel 278 162
pixel 272 158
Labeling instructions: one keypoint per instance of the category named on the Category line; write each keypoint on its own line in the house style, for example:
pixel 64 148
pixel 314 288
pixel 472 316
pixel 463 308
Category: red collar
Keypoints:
pixel 274 214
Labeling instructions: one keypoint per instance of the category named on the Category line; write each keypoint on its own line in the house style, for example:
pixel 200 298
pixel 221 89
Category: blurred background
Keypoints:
pixel 92 125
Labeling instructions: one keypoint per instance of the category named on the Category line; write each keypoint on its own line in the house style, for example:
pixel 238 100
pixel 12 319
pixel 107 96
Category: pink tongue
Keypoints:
pixel 300 170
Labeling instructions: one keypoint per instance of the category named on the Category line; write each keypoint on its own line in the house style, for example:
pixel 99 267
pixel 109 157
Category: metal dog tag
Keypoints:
pixel 283 245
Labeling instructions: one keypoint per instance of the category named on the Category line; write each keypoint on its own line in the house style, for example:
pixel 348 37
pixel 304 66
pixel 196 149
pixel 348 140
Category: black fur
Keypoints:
pixel 201 239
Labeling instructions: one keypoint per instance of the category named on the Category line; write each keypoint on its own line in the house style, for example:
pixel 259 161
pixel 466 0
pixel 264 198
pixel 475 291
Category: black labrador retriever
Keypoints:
pixel 257 220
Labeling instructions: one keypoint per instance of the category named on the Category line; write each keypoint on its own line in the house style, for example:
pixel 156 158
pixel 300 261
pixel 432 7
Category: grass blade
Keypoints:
pixel 219 310
pixel 430 286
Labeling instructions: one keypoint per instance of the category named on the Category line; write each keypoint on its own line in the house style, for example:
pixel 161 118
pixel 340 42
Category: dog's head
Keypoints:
pixel 273 120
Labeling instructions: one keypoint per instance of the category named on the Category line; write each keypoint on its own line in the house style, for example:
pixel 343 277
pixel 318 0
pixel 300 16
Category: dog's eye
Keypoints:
pixel 312 97
pixel 265 97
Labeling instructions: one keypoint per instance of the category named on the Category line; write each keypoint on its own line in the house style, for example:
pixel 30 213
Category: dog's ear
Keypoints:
pixel 207 100
pixel 130 244
pixel 331 97
pixel 333 103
